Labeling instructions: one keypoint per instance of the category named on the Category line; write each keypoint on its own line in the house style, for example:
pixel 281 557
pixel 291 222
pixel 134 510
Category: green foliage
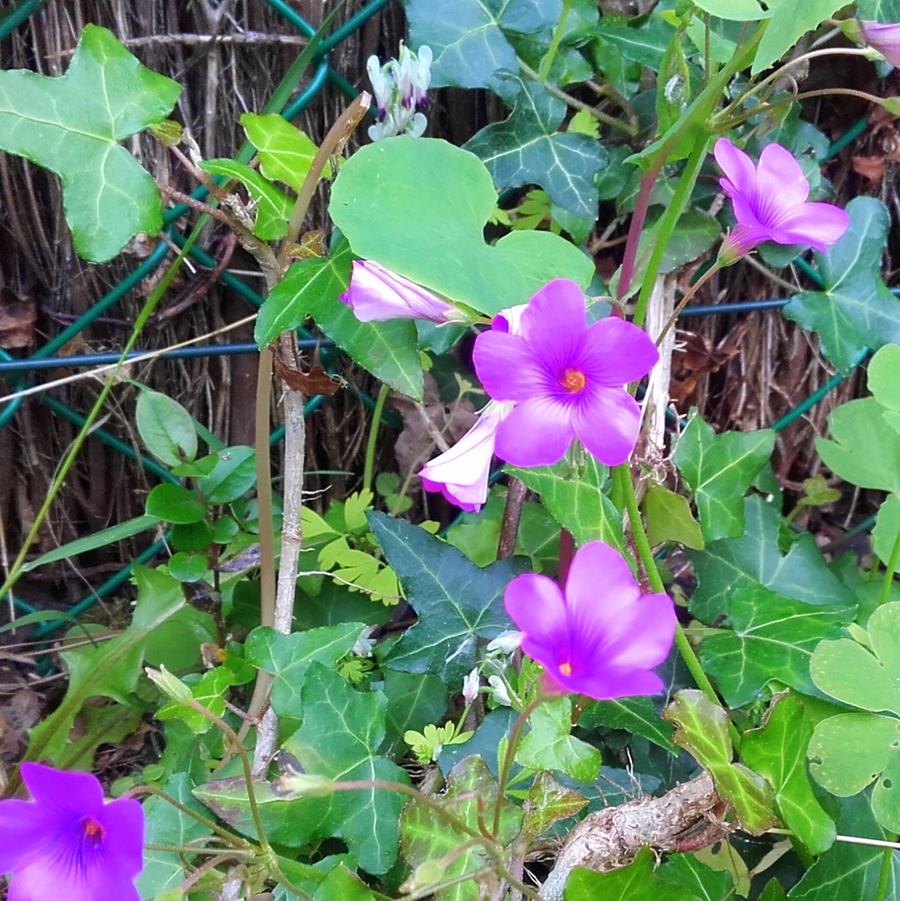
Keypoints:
pixel 166 428
pixel 669 519
pixel 73 126
pixel 856 310
pixel 233 475
pixel 702 728
pixel 789 22
pixel 174 503
pixel 719 469
pixel 528 149
pixel 546 803
pixel 437 199
pixel 636 882
pixel 428 744
pixel 637 715
pixel 457 603
pixel 285 153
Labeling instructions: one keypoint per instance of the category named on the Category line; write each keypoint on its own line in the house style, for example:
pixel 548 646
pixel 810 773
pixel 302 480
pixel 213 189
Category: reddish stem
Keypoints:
pixel 566 552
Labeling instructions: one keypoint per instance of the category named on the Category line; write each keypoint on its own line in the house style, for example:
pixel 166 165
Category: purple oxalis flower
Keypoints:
pixel 770 202
pixel 564 379
pixel 601 637
pixel 883 38
pixel 67 843
pixel 377 294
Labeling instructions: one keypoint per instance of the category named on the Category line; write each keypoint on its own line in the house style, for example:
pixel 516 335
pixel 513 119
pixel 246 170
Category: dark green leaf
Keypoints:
pixel 419 207
pixel 174 503
pixel 195 536
pixel 187 567
pixel 884 11
pixel 719 469
pixel 770 637
pixel 548 802
pixel 644 43
pixel 636 715
pixel 73 126
pixel 636 882
pixel 574 496
pixel 548 745
pixel 790 21
pixel 707 884
pixel 778 752
pixel 527 149
pixel 457 603
pixel 233 475
pixel 856 310
pixel 754 559
pixel 414 701
pixel 703 731
pixel 166 428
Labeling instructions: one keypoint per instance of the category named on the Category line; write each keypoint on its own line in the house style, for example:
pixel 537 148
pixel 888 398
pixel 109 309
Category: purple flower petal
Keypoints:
pixel 506 367
pixel 63 792
pixel 537 432
pixel 616 352
pixel 779 178
pixel 536 604
pixel 817 224
pixel 608 424
pixel 884 38
pixel 554 323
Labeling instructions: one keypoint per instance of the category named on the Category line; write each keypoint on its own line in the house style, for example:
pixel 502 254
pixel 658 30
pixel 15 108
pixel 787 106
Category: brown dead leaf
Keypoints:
pixel 17 320
pixel 694 358
pixel 316 381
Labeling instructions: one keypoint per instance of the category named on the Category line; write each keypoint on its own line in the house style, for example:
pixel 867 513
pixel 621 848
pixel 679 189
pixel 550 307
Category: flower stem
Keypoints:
pixel 509 756
pixel 688 655
pixel 892 565
pixel 884 877
pixel 554 43
pixel 369 468
pixel 687 298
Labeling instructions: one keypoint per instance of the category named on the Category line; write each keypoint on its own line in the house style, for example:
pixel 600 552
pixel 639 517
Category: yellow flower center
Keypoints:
pixel 572 380
pixel 565 669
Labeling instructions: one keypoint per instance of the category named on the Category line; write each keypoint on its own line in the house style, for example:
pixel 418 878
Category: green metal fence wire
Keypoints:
pixel 323 73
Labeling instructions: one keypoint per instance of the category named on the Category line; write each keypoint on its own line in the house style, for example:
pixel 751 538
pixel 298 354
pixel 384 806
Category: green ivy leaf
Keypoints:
pixel 883 375
pixel 574 496
pixel 285 153
pixel 735 10
pixel 547 802
pixel 706 883
pixel 643 41
pixel 457 603
pixel 166 428
pixel 866 449
pixel 414 701
pixel 273 207
pixel 790 21
pixel 636 882
pixel 527 149
pixel 778 752
pixel 73 126
pixel 669 519
pixel 312 288
pixel 755 559
pixel 549 744
pixel 288 658
pixel 636 715
pixel 884 11
pixel 719 469
pixel 703 732
pixel 770 637
pixel 856 310
pixel 419 207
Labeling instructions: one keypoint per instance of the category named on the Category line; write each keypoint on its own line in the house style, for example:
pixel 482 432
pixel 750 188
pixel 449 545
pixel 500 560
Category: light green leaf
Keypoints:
pixel 527 149
pixel 209 690
pixel 166 428
pixel 549 745
pixel 884 11
pixel 233 475
pixel 174 503
pixel 636 882
pixel 285 153
pixel 866 449
pixel 419 207
pixel 719 469
pixel 790 21
pixel 705 882
pixel 887 528
pixel 73 126
pixel 778 752
pixel 456 602
pixel 755 559
pixel 735 10
pixel 669 519
pixel 548 802
pixel 574 496
pixel 703 731
pixel 273 207
pixel 770 637
pixel 856 310
pixel 883 376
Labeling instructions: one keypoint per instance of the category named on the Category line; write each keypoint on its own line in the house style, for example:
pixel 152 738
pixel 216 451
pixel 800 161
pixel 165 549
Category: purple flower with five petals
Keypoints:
pixel 67 843
pixel 770 202
pixel 564 379
pixel 600 637
pixel 376 294
pixel 883 38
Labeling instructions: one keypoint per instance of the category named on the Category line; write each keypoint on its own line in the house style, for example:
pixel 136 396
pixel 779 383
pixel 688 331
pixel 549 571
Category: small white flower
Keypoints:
pixel 499 691
pixel 364 644
pixel 401 91
pixel 506 643
pixel 470 686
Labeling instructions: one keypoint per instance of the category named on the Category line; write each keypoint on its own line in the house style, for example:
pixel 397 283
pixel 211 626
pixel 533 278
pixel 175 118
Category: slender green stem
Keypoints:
pixel 554 43
pixel 884 877
pixel 645 552
pixel 667 224
pixel 692 291
pixel 510 755
pixel 372 443
pixel 892 566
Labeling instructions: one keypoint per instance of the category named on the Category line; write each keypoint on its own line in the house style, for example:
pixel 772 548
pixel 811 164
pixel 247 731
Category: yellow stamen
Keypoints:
pixel 565 669
pixel 572 380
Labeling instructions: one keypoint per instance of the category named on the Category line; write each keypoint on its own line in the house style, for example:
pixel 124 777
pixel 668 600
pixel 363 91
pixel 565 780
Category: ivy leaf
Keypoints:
pixel 427 837
pixel 636 882
pixel 856 310
pixel 866 449
pixel 547 802
pixel 636 715
pixel 778 752
pixel 755 559
pixel 419 207
pixel 469 37
pixel 574 496
pixel 367 819
pixel 703 732
pixel 285 153
pixel 719 469
pixel 549 745
pixel 669 519
pixel 790 21
pixel 456 602
pixel 770 637
pixel 527 149
pixel 644 43
pixel 884 11
pixel 273 207
pixel 73 126
pixel 312 288
pixel 288 658
pixel 706 883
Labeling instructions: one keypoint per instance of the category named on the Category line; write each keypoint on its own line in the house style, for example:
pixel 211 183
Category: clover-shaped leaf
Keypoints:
pixel 527 149
pixel 856 310
pixel 73 125
pixel 419 207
